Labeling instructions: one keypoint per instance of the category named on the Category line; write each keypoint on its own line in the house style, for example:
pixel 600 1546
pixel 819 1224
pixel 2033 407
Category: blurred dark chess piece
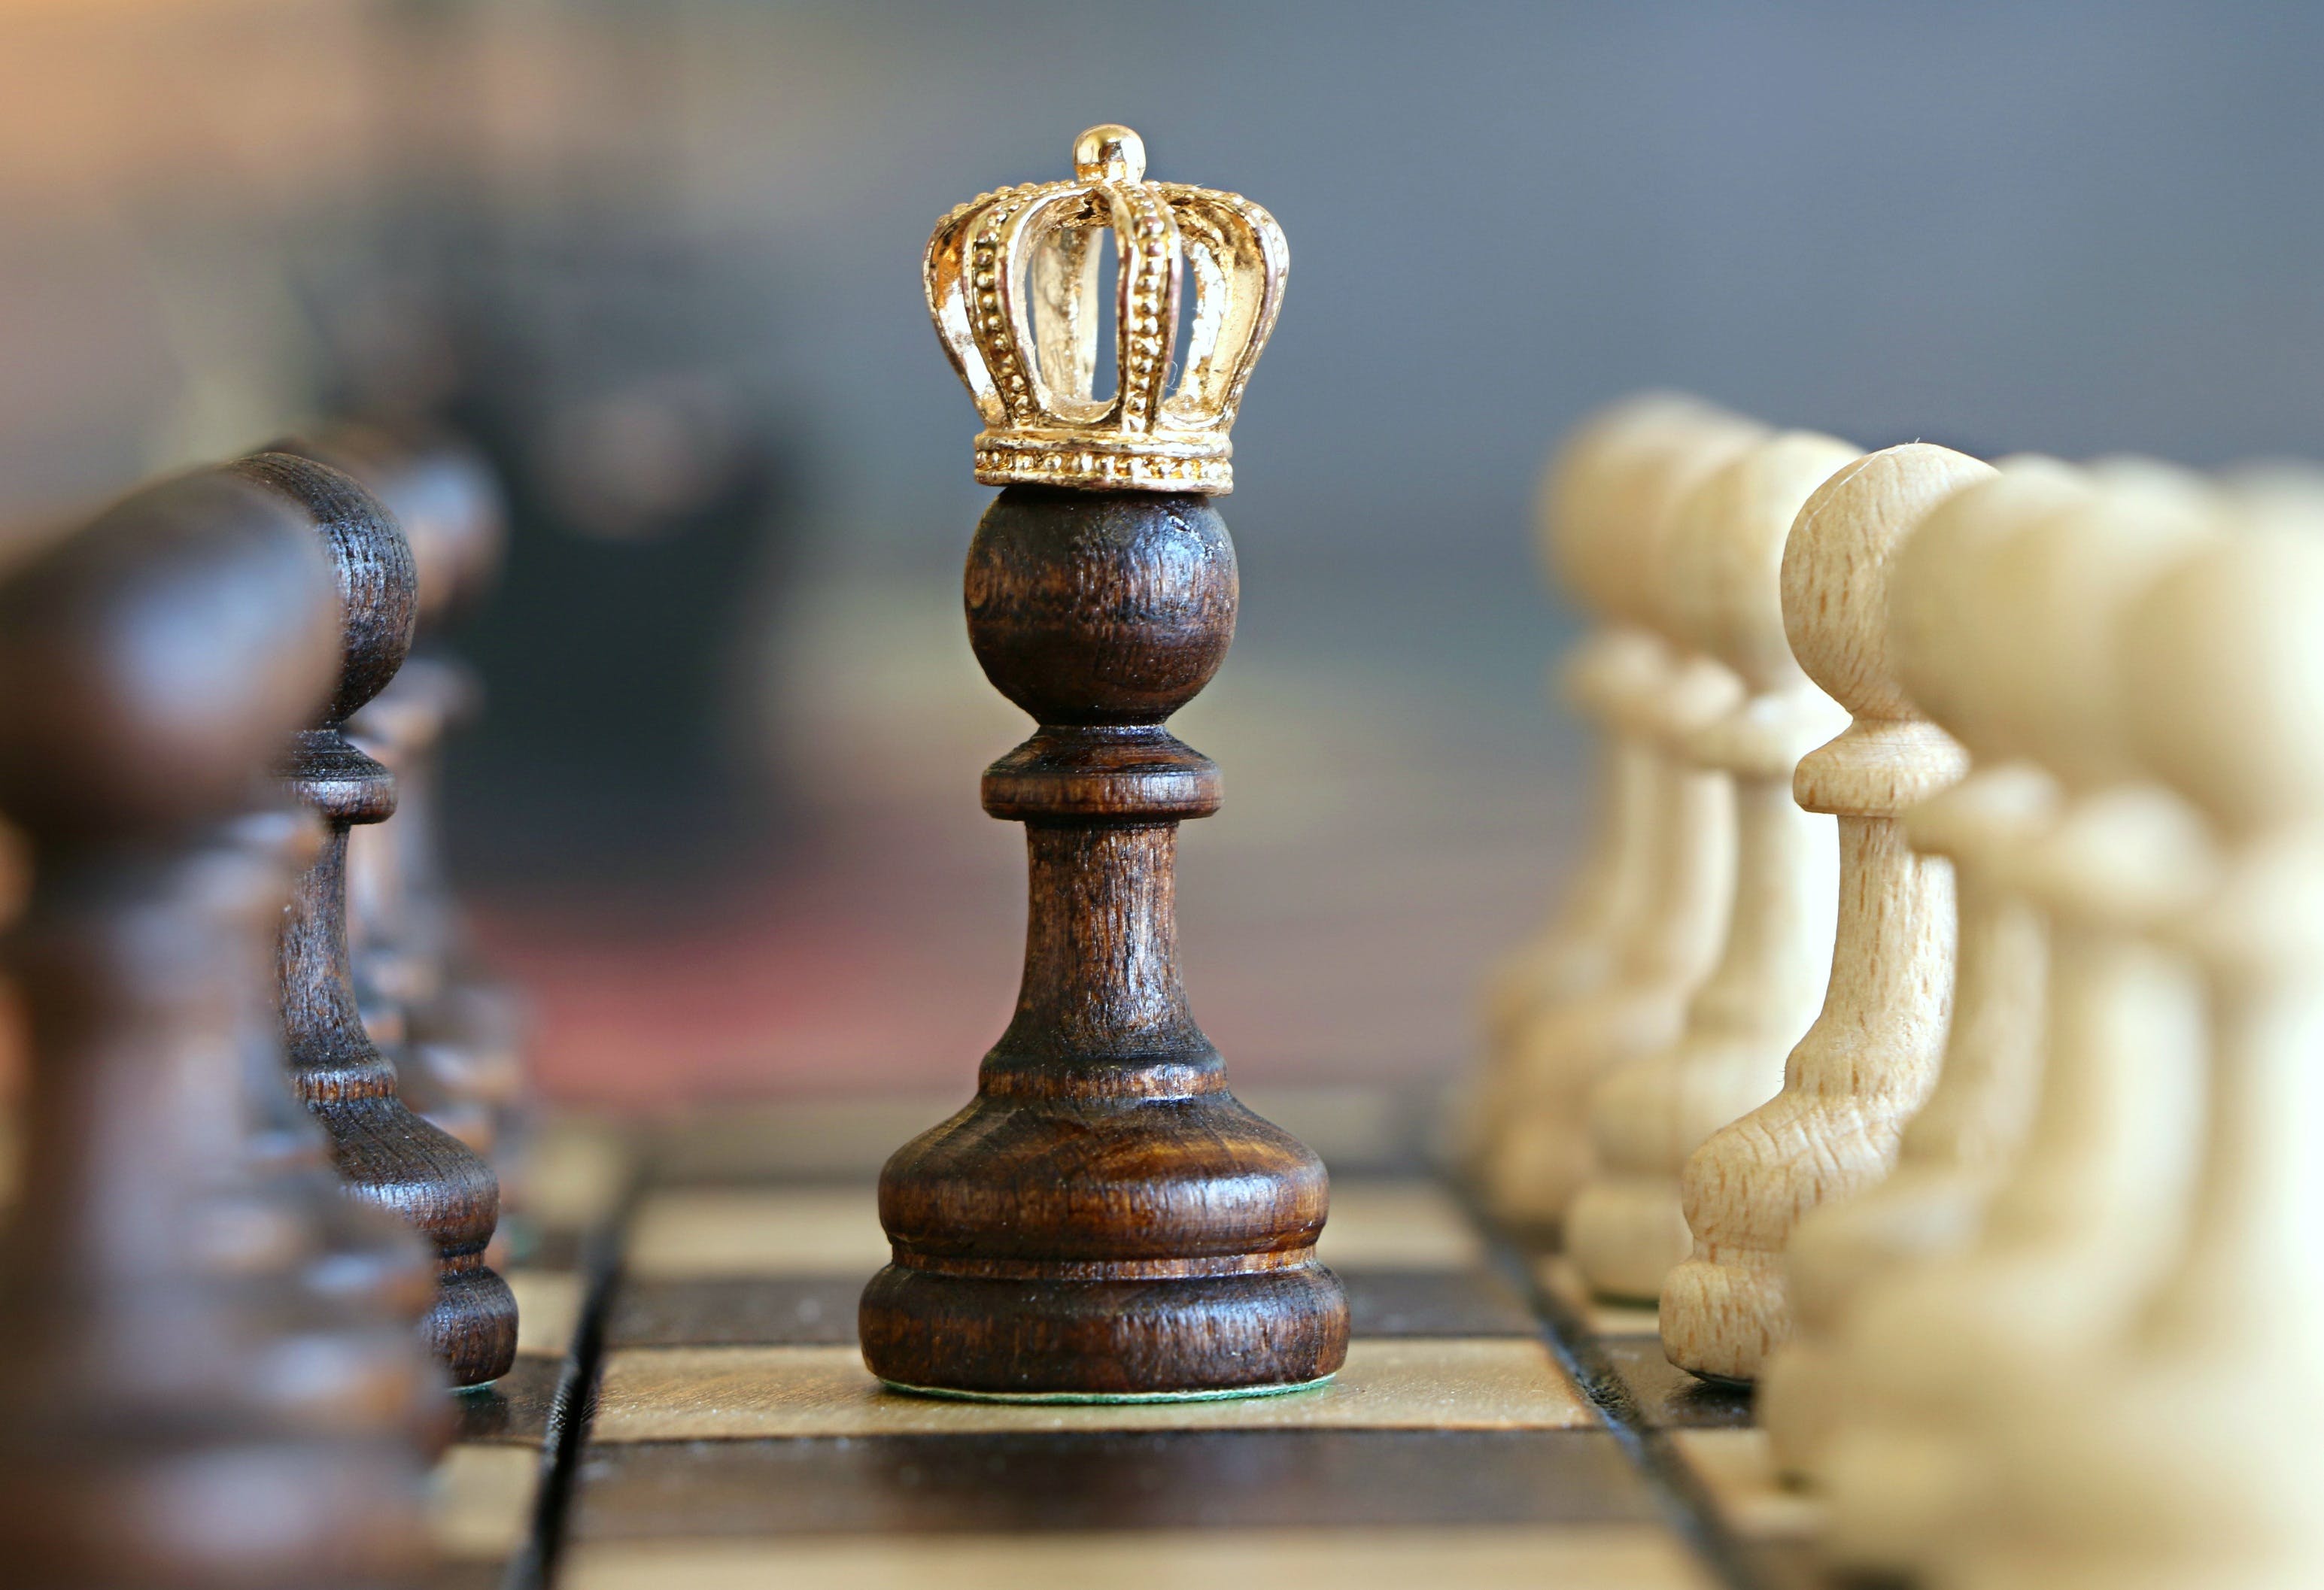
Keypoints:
pixel 181 1405
pixel 386 1155
pixel 1105 1220
pixel 365 1256
pixel 456 1034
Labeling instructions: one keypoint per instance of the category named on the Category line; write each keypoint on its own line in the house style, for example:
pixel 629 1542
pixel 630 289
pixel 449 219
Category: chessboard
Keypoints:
pixel 690 1407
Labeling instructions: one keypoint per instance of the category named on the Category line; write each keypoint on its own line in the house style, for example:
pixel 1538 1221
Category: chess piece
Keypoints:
pixel 358 1257
pixel 2192 1448
pixel 1870 1058
pixel 455 1034
pixel 177 1409
pixel 2086 1213
pixel 1539 1155
pixel 1577 951
pixel 1955 1148
pixel 1724 564
pixel 1105 1219
pixel 385 1154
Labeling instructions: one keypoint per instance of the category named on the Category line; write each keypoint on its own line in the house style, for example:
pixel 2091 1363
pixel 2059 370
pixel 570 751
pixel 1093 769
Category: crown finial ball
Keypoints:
pixel 1109 153
pixel 1087 609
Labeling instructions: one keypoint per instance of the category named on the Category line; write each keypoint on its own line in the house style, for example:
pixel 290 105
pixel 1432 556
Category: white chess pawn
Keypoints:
pixel 1954 1149
pixel 1934 1353
pixel 1574 950
pixel 1724 555
pixel 2189 1458
pixel 1870 1059
pixel 1539 1151
pixel 1578 951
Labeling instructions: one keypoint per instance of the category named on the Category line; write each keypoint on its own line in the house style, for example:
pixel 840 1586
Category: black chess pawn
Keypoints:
pixel 386 1154
pixel 1105 1220
pixel 455 1031
pixel 354 1257
pixel 178 1409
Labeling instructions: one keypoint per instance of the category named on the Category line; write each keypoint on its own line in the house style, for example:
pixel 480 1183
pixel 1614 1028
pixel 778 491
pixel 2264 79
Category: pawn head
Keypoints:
pixel 1723 554
pixel 1944 603
pixel 2223 665
pixel 1837 564
pixel 2055 598
pixel 442 494
pixel 372 561
pixel 152 662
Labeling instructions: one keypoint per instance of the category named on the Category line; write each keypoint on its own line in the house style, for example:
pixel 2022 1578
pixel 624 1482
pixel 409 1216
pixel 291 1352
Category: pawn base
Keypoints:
pixel 1107 1399
pixel 1052 1338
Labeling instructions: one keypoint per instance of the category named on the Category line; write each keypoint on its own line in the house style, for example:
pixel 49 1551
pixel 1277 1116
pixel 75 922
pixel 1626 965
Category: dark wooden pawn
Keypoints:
pixel 456 1032
pixel 354 1258
pixel 177 1408
pixel 386 1155
pixel 1105 1220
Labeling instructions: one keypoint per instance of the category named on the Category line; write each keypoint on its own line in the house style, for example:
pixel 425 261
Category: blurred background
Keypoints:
pixel 660 260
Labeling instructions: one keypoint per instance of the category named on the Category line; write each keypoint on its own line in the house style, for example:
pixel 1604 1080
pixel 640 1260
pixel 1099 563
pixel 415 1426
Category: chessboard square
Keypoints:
pixel 1434 1302
pixel 514 1411
pixel 1561 1278
pixel 1574 1557
pixel 480 1501
pixel 1397 1225
pixel 1667 1396
pixel 1021 1483
pixel 547 1310
pixel 788 1310
pixel 1736 1467
pixel 1353 1129
pixel 703 1231
pixel 577 1171
pixel 812 1139
pixel 745 1394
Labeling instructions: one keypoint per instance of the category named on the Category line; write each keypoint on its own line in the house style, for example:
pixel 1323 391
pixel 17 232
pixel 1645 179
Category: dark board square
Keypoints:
pixel 1228 1479
pixel 1667 1396
pixel 789 1311
pixel 514 1410
pixel 1436 1303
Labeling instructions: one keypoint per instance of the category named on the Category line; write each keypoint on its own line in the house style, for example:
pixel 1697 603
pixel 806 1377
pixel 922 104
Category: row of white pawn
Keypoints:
pixel 1937 1027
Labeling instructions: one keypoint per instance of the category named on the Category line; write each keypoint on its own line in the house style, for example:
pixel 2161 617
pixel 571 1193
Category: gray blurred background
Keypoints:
pixel 662 260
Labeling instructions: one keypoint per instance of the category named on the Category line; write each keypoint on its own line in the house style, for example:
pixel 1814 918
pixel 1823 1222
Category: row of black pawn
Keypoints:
pixel 239 1271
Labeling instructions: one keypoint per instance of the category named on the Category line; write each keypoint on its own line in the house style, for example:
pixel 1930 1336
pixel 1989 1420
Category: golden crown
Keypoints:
pixel 1013 287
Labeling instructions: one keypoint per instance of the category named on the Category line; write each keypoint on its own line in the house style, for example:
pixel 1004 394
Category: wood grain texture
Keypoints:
pixel 168 1358
pixel 1871 1057
pixel 386 1155
pixel 1104 1216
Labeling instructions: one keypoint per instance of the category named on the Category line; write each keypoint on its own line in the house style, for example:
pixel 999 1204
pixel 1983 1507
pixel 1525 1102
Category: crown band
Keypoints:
pixel 1094 461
